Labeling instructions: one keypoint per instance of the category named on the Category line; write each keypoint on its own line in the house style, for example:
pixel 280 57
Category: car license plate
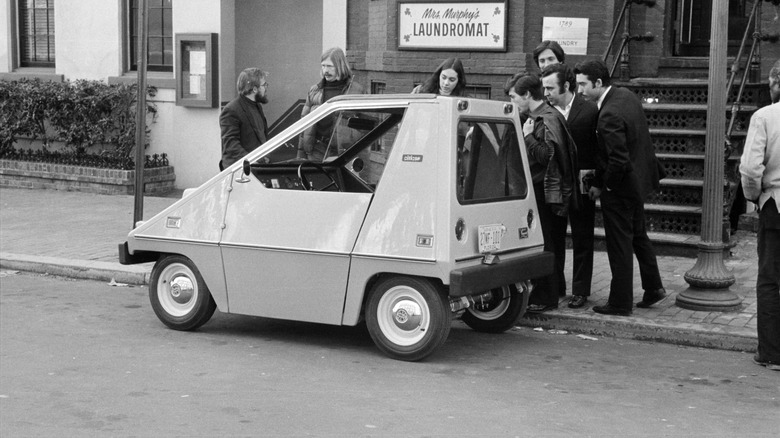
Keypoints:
pixel 490 237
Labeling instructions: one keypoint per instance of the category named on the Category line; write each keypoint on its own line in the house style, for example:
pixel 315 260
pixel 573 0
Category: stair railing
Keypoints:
pixel 621 56
pixel 755 19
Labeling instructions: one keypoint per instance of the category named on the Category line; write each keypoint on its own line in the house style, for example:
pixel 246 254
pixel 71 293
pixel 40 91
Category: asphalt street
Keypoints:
pixel 84 358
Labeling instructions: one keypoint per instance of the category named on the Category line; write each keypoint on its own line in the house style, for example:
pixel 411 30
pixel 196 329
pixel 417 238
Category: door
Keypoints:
pixel 291 224
pixel 693 23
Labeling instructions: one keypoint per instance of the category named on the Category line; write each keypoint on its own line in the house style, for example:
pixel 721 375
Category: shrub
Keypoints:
pixel 80 114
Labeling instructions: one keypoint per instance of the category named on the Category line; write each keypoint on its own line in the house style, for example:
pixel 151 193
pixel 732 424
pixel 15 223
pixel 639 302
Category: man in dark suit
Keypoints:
pixel 242 121
pixel 627 171
pixel 560 88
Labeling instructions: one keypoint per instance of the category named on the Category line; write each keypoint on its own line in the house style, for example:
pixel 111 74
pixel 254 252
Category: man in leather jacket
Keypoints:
pixel 552 157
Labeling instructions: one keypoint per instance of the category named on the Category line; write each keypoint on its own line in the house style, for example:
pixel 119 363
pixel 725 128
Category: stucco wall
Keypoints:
pixel 5 37
pixel 91 49
pixel 284 38
pixel 190 136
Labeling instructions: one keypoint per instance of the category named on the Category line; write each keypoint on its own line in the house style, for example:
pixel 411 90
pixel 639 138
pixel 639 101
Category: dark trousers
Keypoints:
pixel 768 283
pixel 626 236
pixel 548 289
pixel 582 225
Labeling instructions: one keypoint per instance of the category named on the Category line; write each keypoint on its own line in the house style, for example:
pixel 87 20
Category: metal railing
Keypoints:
pixel 622 53
pixel 751 62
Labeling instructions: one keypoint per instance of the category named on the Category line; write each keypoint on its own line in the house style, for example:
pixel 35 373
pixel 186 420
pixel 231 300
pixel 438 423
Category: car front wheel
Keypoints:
pixel 408 318
pixel 179 295
pixel 498 314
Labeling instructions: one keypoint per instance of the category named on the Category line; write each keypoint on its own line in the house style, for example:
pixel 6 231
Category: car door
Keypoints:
pixel 286 251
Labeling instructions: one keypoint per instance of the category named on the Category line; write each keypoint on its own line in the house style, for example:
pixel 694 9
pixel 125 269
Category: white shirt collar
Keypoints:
pixel 565 110
pixel 603 95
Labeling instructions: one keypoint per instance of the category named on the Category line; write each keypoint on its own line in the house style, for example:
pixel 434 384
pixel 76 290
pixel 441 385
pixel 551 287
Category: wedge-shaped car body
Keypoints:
pixel 414 209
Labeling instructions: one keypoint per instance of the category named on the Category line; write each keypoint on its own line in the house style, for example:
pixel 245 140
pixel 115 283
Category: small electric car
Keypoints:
pixel 414 210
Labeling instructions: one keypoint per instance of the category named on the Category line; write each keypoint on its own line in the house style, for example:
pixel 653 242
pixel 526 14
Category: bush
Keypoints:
pixel 80 114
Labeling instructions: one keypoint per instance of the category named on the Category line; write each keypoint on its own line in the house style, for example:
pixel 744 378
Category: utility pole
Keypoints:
pixel 140 111
pixel 708 279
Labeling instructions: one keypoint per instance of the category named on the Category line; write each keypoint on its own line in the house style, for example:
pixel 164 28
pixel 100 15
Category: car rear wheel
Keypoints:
pixel 498 314
pixel 179 295
pixel 408 318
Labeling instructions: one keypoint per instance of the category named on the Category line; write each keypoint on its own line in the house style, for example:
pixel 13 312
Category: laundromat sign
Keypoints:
pixel 478 26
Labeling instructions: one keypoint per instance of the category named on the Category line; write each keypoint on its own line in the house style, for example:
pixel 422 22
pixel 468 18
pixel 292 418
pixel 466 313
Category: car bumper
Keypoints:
pixel 126 258
pixel 474 279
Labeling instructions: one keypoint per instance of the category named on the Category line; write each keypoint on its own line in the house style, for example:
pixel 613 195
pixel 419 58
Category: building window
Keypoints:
pixel 378 87
pixel 478 91
pixel 160 36
pixel 36 33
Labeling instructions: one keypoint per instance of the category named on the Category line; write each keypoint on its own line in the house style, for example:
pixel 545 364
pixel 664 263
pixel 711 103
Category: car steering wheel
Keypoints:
pixel 305 182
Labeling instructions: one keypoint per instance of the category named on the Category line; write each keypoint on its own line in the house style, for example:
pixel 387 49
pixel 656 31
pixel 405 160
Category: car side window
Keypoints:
pixel 353 155
pixel 490 166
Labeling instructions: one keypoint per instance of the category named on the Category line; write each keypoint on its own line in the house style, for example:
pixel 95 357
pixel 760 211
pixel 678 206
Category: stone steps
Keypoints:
pixel 676 110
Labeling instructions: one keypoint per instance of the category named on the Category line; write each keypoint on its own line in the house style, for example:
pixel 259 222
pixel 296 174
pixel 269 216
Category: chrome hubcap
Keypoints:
pixel 177 290
pixel 403 316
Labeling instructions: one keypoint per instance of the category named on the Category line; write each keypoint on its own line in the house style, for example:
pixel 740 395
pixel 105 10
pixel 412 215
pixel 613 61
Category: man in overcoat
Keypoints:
pixel 242 121
pixel 627 172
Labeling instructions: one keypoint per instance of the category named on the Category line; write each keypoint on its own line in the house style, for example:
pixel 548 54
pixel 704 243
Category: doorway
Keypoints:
pixel 693 22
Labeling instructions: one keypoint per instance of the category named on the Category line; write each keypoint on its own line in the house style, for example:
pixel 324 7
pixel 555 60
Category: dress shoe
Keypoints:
pixel 765 363
pixel 577 301
pixel 609 309
pixel 651 297
pixel 539 308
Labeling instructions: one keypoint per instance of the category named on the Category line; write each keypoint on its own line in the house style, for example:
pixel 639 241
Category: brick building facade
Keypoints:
pixel 372 41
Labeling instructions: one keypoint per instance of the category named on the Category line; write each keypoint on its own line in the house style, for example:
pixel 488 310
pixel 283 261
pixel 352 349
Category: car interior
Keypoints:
pixel 353 160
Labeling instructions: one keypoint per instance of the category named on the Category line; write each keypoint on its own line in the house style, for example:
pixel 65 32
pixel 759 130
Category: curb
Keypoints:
pixel 82 269
pixel 694 335
pixel 721 337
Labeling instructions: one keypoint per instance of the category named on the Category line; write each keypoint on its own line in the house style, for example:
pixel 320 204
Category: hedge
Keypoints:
pixel 79 114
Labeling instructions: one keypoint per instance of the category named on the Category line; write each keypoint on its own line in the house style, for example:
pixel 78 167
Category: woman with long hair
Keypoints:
pixel 448 79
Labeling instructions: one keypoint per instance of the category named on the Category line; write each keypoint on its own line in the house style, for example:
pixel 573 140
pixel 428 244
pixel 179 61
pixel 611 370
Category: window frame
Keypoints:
pixel 459 185
pixel 22 37
pixel 131 28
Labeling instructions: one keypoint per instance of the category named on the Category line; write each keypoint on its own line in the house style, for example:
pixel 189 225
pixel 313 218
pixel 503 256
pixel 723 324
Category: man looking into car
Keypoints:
pixel 242 121
pixel 552 156
pixel 581 116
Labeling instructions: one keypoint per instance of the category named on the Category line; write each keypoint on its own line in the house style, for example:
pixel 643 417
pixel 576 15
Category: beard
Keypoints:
pixel 261 99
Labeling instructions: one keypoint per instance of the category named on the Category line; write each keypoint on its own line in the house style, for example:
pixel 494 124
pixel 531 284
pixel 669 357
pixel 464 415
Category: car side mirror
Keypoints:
pixel 247 168
pixel 361 123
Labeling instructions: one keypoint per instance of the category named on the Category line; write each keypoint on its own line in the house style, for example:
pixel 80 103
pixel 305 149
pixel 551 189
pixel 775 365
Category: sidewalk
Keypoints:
pixel 76 234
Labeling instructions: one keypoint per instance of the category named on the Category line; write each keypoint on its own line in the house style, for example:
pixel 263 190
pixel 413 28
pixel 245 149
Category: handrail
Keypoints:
pixel 757 36
pixel 626 37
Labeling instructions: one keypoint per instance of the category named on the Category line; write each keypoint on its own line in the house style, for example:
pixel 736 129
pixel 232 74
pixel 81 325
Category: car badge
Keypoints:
pixel 413 158
pixel 424 241
pixel 173 222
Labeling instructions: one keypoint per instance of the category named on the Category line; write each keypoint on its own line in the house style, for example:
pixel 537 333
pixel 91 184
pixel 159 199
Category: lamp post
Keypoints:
pixel 140 112
pixel 709 280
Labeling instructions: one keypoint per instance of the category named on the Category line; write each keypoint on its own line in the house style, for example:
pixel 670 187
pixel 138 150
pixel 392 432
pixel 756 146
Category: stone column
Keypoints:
pixel 708 279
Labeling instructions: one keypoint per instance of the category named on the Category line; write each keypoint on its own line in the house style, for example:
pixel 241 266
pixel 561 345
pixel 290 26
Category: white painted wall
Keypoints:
pixel 87 43
pixel 334 24
pixel 284 38
pixel 190 136
pixel 5 36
